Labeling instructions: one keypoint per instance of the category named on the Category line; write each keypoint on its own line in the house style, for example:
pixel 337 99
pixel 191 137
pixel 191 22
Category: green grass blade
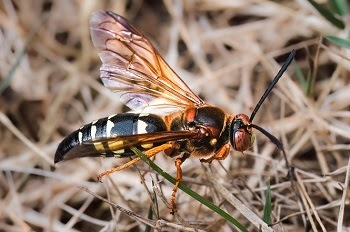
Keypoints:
pixel 300 75
pixel 308 85
pixel 339 7
pixel 187 190
pixel 150 211
pixel 268 206
pixel 149 216
pixel 327 14
pixel 345 43
pixel 304 82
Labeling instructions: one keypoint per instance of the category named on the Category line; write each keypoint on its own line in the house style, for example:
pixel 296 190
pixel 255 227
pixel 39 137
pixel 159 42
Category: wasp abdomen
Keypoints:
pixel 105 128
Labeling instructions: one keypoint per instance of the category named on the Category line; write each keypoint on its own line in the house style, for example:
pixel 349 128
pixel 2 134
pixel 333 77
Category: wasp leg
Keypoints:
pixel 149 153
pixel 221 154
pixel 178 163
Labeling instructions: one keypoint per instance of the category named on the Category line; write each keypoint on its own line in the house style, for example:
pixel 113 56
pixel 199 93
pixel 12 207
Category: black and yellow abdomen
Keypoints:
pixel 110 127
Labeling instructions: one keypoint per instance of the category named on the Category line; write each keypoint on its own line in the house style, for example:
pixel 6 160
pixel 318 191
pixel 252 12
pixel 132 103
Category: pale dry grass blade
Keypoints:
pixel 7 123
pixel 340 225
pixel 237 204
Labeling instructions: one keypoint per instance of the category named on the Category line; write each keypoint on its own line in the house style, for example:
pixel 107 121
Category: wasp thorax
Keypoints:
pixel 241 135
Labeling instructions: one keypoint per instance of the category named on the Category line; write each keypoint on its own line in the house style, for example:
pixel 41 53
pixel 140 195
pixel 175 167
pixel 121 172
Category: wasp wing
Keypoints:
pixel 132 65
pixel 111 147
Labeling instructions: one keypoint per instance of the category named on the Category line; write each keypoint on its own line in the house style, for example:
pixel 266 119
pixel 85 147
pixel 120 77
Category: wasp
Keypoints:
pixel 166 115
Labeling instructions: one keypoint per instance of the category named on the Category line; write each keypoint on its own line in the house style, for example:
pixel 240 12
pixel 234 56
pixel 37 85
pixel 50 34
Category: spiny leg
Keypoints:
pixel 178 163
pixel 221 154
pixel 149 153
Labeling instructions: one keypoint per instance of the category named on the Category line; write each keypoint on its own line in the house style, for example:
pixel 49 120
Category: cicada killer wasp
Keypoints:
pixel 167 116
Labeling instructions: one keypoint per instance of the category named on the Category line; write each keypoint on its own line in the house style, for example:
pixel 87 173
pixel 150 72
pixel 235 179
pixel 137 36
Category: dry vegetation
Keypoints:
pixel 227 52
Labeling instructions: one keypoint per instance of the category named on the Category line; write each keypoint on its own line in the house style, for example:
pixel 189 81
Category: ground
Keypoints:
pixel 227 52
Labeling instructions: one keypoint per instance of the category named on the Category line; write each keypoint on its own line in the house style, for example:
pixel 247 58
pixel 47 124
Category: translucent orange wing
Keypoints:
pixel 131 64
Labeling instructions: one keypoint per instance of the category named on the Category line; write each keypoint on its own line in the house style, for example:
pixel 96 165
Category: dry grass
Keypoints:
pixel 227 51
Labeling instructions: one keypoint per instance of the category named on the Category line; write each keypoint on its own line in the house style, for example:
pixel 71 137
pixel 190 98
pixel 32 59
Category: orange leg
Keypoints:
pixel 178 163
pixel 221 154
pixel 150 153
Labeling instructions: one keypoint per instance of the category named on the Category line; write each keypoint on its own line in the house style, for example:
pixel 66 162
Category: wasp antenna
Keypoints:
pixel 273 83
pixel 273 139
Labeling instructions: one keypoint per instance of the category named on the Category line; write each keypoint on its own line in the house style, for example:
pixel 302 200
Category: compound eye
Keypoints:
pixel 243 140
pixel 241 135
